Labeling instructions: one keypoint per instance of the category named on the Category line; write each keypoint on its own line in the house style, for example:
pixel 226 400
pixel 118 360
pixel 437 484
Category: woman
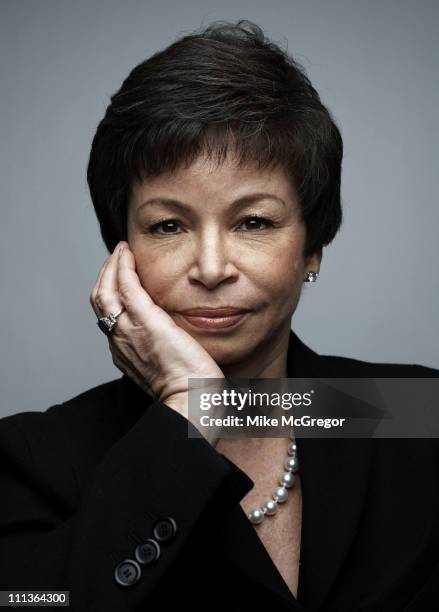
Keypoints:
pixel 215 176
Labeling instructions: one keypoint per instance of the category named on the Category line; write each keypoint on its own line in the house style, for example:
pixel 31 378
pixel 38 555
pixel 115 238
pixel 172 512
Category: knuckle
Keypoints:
pixel 98 302
pixel 102 298
pixel 124 290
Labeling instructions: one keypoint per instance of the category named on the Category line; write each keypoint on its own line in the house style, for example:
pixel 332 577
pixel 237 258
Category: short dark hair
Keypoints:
pixel 225 85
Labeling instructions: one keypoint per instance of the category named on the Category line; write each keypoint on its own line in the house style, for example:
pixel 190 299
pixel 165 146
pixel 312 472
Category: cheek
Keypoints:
pixel 157 273
pixel 280 283
pixel 284 269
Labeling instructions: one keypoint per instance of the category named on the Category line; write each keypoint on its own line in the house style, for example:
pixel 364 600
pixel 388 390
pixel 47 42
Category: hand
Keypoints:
pixel 145 343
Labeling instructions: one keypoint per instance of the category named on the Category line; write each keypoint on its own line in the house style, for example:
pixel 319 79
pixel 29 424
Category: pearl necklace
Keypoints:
pixel 280 495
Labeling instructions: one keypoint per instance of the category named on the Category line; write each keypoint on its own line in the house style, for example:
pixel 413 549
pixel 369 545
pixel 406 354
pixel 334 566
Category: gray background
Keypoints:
pixel 374 64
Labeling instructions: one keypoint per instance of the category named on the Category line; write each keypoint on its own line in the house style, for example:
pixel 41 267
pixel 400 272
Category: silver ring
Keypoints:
pixel 106 324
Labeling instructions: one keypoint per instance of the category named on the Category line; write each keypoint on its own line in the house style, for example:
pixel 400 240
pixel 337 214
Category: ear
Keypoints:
pixel 312 263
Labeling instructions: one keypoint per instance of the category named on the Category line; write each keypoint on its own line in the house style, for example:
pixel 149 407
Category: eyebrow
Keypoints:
pixel 238 203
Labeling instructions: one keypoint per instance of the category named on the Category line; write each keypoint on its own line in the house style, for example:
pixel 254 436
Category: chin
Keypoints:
pixel 225 351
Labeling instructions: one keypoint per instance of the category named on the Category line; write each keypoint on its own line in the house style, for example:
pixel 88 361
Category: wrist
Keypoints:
pixel 179 403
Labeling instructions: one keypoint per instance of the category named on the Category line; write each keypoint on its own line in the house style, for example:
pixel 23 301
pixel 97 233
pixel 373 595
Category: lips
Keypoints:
pixel 212 313
pixel 215 323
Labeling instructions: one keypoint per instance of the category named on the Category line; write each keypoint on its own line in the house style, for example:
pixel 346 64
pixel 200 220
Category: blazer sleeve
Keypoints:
pixel 154 483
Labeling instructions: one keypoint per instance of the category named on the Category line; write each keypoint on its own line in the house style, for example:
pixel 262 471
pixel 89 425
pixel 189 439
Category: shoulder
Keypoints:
pixel 348 366
pixel 356 368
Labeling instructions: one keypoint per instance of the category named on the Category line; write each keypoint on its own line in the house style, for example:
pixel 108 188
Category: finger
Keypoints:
pixel 107 295
pixel 95 288
pixel 108 280
pixel 106 298
pixel 101 271
pixel 132 295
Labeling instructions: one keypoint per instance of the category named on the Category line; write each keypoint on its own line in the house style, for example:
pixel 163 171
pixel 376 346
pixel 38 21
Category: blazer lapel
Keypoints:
pixel 334 475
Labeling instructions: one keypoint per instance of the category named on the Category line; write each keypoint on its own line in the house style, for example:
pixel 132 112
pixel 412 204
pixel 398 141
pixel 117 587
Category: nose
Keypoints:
pixel 212 260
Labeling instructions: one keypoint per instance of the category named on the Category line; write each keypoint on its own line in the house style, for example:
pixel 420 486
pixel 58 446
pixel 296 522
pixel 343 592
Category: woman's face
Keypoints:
pixel 205 253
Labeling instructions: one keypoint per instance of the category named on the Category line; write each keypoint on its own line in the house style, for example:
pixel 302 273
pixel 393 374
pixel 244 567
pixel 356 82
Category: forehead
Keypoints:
pixel 206 180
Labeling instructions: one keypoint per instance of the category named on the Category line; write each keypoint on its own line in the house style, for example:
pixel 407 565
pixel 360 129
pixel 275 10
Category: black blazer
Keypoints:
pixel 105 495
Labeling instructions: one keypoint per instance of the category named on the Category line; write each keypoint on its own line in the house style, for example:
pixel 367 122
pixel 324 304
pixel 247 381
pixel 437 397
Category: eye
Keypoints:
pixel 165 223
pixel 258 221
